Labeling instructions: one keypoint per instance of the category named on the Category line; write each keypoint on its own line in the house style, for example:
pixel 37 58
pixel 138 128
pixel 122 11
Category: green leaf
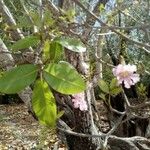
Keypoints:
pixel 116 91
pixel 46 48
pixel 72 44
pixel 24 21
pixel 101 8
pixel 52 50
pixel 104 86
pixel 18 78
pixel 70 14
pixel 48 18
pixel 64 78
pixel 25 43
pixel 113 83
pixel 43 104
pixel 60 114
pixel 36 17
pixel 55 51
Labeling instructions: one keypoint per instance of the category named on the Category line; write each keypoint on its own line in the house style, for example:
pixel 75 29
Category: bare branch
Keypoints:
pixel 112 29
pixel 11 21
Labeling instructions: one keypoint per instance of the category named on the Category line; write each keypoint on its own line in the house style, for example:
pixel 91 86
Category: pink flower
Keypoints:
pixel 126 74
pixel 79 102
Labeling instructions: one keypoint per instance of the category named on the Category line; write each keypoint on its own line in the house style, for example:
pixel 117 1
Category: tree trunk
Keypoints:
pixel 78 121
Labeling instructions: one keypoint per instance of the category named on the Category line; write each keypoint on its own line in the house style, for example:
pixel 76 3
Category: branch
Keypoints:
pixel 112 29
pixel 118 122
pixel 66 129
pixel 90 20
pixel 11 21
pixel 135 106
pixel 114 142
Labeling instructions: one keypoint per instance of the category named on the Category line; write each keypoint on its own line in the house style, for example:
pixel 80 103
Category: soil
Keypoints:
pixel 20 131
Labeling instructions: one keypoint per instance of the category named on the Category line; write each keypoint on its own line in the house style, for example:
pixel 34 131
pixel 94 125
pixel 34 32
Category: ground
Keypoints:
pixel 20 131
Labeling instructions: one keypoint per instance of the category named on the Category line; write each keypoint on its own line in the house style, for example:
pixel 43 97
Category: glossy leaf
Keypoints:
pixel 43 104
pixel 25 43
pixel 104 86
pixel 18 78
pixel 72 44
pixel 64 78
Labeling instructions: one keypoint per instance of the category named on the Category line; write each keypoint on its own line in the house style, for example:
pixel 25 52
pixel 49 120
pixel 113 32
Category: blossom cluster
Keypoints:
pixel 79 101
pixel 126 74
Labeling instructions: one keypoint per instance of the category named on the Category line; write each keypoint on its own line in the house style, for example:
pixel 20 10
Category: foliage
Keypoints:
pixel 18 78
pixel 43 103
pixel 111 89
pixel 50 33
pixel 25 43
pixel 64 78
pixel 49 72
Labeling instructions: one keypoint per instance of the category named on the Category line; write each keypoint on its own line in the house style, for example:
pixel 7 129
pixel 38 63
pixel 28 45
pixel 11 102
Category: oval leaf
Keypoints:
pixel 64 78
pixel 25 43
pixel 52 51
pixel 55 51
pixel 18 78
pixel 113 83
pixel 72 44
pixel 46 47
pixel 43 104
pixel 104 86
pixel 116 91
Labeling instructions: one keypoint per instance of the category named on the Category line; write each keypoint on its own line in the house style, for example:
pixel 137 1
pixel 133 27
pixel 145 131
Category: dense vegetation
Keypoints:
pixel 68 59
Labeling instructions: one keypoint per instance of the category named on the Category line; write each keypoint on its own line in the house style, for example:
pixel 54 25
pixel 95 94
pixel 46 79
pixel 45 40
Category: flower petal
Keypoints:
pixel 127 84
pixel 126 74
pixel 79 101
pixel 83 106
pixel 135 78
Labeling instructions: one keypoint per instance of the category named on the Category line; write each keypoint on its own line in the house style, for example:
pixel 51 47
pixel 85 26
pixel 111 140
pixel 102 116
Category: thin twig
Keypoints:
pixel 112 29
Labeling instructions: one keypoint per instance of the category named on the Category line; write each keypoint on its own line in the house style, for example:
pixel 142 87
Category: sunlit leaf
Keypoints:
pixel 46 48
pixel 55 51
pixel 103 86
pixel 72 44
pixel 64 78
pixel 52 50
pixel 43 104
